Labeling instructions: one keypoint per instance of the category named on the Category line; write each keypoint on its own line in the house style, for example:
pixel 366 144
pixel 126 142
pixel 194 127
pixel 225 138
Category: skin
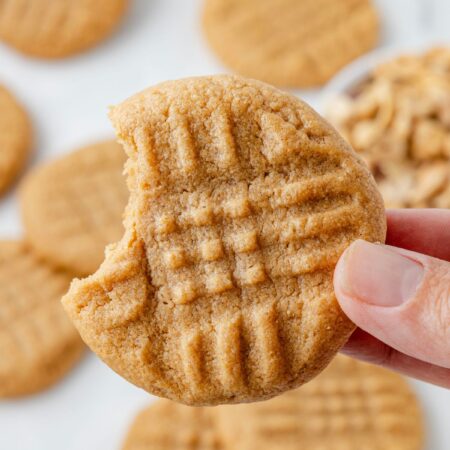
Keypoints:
pixel 399 296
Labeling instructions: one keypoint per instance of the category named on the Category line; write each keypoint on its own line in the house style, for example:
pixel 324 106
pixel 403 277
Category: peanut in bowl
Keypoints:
pixel 395 112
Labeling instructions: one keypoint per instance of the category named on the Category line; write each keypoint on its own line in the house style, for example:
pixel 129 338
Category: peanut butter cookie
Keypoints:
pixel 38 344
pixel 72 207
pixel 350 405
pixel 55 29
pixel 242 200
pixel 15 138
pixel 154 428
pixel 291 43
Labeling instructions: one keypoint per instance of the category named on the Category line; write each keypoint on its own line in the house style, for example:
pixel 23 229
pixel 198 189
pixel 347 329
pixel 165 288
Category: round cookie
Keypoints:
pixel 38 343
pixel 72 207
pixel 349 406
pixel 167 425
pixel 291 43
pixel 56 29
pixel 15 138
pixel 242 199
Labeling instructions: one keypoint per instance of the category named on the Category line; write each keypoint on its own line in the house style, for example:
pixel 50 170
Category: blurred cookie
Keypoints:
pixel 350 405
pixel 242 200
pixel 56 29
pixel 15 138
pixel 291 43
pixel 167 425
pixel 72 207
pixel 398 119
pixel 38 344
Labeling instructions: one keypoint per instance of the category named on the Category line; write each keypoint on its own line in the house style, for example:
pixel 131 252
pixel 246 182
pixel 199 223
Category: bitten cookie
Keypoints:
pixel 350 405
pixel 291 43
pixel 72 207
pixel 56 29
pixel 38 344
pixel 167 425
pixel 15 138
pixel 242 200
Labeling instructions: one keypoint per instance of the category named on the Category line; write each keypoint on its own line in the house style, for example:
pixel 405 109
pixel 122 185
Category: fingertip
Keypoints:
pixel 396 296
pixel 342 272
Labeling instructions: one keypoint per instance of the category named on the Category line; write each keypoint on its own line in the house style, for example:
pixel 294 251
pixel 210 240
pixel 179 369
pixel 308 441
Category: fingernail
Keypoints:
pixel 379 275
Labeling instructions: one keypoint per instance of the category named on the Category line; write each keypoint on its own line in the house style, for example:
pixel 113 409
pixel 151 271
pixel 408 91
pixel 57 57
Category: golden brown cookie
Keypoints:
pixel 38 344
pixel 398 119
pixel 167 425
pixel 291 43
pixel 242 200
pixel 56 29
pixel 15 138
pixel 72 207
pixel 350 406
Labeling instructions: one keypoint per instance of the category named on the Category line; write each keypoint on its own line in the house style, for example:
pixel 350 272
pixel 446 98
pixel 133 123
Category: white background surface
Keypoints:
pixel 159 40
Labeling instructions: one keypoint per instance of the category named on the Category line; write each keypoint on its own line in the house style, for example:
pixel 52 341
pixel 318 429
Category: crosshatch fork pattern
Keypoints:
pixel 226 260
pixel 213 240
pixel 241 201
pixel 33 326
pixel 350 405
pixel 30 291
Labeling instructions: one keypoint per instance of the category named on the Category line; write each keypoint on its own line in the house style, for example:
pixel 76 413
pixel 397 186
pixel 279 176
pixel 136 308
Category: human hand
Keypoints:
pixel 399 299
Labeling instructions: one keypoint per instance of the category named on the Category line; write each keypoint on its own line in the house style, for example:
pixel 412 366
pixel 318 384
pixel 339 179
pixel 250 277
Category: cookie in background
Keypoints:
pixel 398 120
pixel 72 207
pixel 290 43
pixel 57 29
pixel 168 425
pixel 15 138
pixel 351 405
pixel 38 344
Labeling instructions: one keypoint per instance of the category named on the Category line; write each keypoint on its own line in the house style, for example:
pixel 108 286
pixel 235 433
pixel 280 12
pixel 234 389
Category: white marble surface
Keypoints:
pixel 160 40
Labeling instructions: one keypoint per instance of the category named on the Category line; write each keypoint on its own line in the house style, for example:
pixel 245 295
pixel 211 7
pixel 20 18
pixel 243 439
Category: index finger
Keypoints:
pixel 421 230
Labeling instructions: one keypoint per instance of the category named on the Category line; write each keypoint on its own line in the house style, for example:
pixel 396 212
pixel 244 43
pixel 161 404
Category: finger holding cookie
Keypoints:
pixel 400 297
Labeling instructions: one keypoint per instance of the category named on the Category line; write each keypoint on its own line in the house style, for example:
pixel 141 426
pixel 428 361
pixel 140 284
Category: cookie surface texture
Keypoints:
pixel 15 138
pixel 72 207
pixel 290 43
pixel 167 425
pixel 56 29
pixel 241 201
pixel 38 343
pixel 350 406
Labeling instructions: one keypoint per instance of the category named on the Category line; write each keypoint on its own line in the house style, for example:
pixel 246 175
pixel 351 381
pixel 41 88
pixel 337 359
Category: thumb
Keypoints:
pixel 398 296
